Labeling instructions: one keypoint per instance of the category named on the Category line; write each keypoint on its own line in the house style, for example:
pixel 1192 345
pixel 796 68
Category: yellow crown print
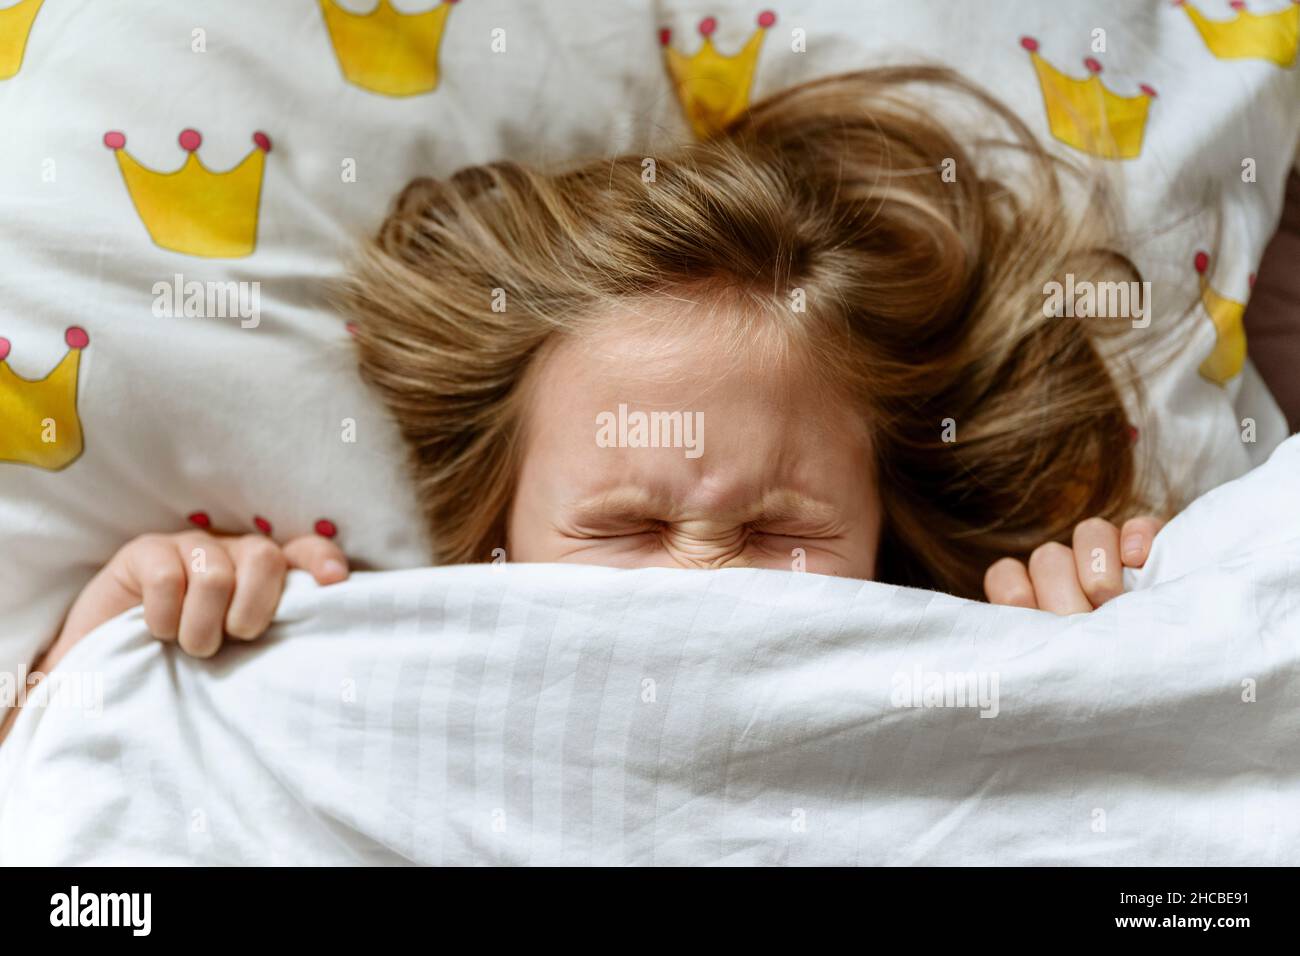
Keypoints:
pixel 714 88
pixel 193 209
pixel 1086 115
pixel 15 25
pixel 386 51
pixel 1229 353
pixel 1256 36
pixel 38 417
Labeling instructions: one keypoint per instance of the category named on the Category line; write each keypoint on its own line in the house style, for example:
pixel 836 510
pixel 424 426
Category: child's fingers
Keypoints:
pixel 157 574
pixel 1056 580
pixel 1096 559
pixel 1007 582
pixel 260 567
pixel 1135 539
pixel 318 555
pixel 211 582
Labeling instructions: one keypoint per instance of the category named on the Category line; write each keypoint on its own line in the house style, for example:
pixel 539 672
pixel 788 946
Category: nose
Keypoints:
pixel 703 545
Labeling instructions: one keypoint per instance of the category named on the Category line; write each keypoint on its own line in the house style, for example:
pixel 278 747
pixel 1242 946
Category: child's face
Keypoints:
pixel 773 469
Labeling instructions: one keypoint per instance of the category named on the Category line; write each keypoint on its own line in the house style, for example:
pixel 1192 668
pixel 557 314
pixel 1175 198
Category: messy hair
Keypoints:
pixel 921 256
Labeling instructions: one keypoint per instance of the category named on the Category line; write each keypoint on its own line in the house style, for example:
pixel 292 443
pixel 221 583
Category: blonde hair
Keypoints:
pixel 923 291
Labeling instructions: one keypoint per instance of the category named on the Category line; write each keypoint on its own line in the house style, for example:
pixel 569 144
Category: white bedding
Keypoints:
pixel 198 416
pixel 562 714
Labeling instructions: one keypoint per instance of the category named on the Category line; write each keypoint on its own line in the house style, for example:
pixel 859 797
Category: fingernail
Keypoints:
pixel 1133 546
pixel 334 568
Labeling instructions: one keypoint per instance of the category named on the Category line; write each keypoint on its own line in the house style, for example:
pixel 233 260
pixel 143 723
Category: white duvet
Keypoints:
pixel 562 714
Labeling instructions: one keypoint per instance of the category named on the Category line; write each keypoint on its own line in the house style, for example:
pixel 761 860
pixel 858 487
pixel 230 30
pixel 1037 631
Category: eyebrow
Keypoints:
pixel 620 504
pixel 786 504
pixel 636 504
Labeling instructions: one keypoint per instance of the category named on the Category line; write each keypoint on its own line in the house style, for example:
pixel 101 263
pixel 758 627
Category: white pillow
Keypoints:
pixel 181 415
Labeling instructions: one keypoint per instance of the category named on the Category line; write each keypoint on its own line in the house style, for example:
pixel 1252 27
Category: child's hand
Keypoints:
pixel 197 588
pixel 1067 580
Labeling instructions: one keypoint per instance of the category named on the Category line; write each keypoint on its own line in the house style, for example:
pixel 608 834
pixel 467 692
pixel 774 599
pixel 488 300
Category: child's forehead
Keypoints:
pixel 753 385
pixel 681 336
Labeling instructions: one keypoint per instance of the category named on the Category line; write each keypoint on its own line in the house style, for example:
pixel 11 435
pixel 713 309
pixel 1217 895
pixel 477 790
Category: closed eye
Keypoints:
pixel 607 537
pixel 802 531
pixel 600 531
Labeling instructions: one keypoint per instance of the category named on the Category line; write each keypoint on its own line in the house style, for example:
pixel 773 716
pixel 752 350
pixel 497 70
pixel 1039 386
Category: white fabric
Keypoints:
pixel 566 714
pixel 200 414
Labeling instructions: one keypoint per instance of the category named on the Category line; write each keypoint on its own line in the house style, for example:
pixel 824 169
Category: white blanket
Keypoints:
pixel 564 714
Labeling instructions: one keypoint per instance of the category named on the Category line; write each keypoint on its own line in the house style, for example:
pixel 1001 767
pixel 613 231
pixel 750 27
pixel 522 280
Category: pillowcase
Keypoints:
pixel 181 185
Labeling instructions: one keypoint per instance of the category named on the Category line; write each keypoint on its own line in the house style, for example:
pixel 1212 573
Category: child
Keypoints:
pixel 836 307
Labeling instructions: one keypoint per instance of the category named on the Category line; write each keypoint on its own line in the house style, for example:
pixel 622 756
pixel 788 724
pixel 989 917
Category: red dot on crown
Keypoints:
pixel 766 19
pixel 1237 4
pixel 190 140
pixel 74 335
pixel 326 528
pixel 1092 65
pixel 1029 43
pixel 199 519
pixel 1201 262
pixel 665 36
pixel 707 26
pixel 114 140
pixel 261 524
pixel 1147 89
pixel 262 141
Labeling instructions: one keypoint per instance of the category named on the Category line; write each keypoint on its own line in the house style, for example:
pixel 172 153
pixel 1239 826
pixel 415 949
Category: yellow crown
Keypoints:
pixel 1086 115
pixel 1229 353
pixel 193 209
pixel 714 88
pixel 1257 36
pixel 15 25
pixel 38 417
pixel 386 51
